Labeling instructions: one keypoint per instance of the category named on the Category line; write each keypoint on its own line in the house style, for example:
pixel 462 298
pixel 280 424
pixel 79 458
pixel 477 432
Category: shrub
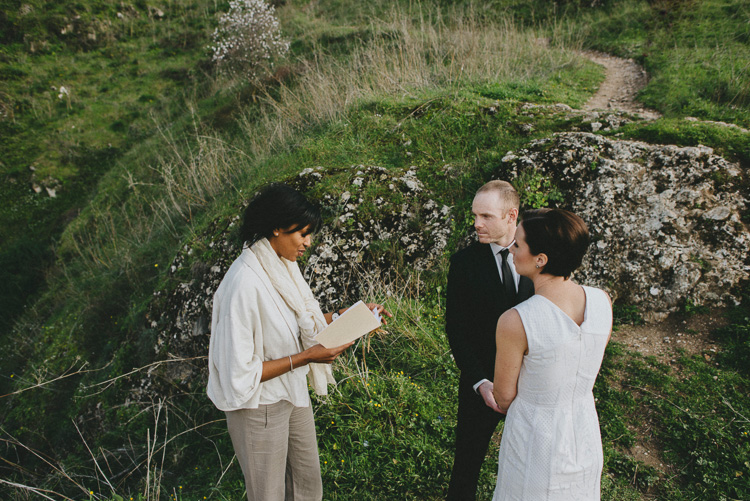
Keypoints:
pixel 247 37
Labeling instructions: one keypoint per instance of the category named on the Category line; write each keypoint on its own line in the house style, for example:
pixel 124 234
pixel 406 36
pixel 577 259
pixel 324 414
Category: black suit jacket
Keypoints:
pixel 475 300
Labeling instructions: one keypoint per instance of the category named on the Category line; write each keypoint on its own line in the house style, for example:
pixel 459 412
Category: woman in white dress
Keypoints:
pixel 262 354
pixel 549 351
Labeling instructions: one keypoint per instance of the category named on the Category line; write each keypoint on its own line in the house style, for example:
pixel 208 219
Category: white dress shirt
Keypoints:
pixel 499 261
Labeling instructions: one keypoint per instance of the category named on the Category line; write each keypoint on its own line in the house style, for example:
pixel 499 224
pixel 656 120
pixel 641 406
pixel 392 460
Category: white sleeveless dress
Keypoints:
pixel 551 448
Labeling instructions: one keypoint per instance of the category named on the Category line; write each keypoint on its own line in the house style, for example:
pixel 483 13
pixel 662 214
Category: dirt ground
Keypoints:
pixel 624 78
pixel 664 340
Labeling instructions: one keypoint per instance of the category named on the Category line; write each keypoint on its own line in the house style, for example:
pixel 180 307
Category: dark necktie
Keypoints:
pixel 508 283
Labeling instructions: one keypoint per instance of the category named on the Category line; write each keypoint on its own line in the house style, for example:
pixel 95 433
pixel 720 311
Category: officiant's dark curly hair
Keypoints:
pixel 560 234
pixel 278 207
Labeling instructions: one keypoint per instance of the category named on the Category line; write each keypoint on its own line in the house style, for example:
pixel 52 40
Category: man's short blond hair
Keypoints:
pixel 507 193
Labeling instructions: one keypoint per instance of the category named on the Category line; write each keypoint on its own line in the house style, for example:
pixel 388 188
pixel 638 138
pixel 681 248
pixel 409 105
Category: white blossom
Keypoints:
pixel 248 35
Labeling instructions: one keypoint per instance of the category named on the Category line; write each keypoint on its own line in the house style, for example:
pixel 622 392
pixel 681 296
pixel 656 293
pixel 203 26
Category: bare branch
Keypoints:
pixel 35 490
pixel 110 382
pixel 14 441
pixel 96 463
pixel 726 402
pixel 64 375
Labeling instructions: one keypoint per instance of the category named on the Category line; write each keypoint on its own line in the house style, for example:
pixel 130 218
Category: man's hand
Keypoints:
pixel 485 390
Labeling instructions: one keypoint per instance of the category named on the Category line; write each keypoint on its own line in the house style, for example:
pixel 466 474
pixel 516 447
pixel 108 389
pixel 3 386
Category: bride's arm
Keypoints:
pixel 511 347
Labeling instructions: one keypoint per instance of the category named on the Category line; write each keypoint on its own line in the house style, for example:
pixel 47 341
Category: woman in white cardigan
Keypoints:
pixel 262 352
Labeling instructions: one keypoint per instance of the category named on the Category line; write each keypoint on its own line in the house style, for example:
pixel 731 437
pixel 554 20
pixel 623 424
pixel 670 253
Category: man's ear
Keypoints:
pixel 513 215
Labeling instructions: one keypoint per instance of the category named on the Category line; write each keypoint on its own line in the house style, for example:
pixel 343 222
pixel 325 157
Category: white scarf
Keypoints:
pixel 288 281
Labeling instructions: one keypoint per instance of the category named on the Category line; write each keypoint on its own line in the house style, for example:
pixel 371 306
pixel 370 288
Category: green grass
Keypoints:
pixel 138 69
pixel 118 245
pixel 729 142
pixel 152 153
pixel 695 411
pixel 695 52
pixel 393 415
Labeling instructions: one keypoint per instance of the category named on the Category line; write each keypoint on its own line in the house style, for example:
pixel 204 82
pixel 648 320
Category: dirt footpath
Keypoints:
pixel 624 78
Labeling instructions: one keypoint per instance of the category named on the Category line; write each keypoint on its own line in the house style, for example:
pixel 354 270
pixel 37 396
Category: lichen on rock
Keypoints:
pixel 665 223
pixel 385 223
pixel 665 220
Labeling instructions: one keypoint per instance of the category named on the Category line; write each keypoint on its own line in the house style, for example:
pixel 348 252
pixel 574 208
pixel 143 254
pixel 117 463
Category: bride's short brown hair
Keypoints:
pixel 559 234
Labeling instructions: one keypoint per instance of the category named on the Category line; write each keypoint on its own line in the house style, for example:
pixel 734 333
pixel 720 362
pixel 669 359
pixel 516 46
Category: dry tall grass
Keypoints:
pixel 405 57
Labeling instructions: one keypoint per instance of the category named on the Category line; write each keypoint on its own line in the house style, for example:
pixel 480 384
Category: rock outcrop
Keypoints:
pixel 665 220
pixel 385 221
pixel 665 223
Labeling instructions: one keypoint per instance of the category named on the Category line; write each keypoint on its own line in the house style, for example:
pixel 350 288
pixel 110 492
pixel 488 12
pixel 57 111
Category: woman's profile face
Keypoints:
pixel 523 260
pixel 291 245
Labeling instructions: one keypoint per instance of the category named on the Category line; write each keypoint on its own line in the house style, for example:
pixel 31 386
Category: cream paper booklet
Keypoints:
pixel 352 324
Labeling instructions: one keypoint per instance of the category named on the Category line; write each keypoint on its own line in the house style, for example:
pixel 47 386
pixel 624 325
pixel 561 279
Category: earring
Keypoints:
pixel 537 266
pixel 276 234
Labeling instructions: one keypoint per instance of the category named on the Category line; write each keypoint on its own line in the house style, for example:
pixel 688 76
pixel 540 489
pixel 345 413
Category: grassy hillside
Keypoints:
pixel 83 84
pixel 150 151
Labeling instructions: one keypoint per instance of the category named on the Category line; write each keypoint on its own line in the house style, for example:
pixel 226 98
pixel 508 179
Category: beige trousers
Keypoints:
pixel 277 449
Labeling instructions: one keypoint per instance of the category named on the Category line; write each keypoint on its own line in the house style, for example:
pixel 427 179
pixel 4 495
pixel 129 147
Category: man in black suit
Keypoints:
pixel 482 284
